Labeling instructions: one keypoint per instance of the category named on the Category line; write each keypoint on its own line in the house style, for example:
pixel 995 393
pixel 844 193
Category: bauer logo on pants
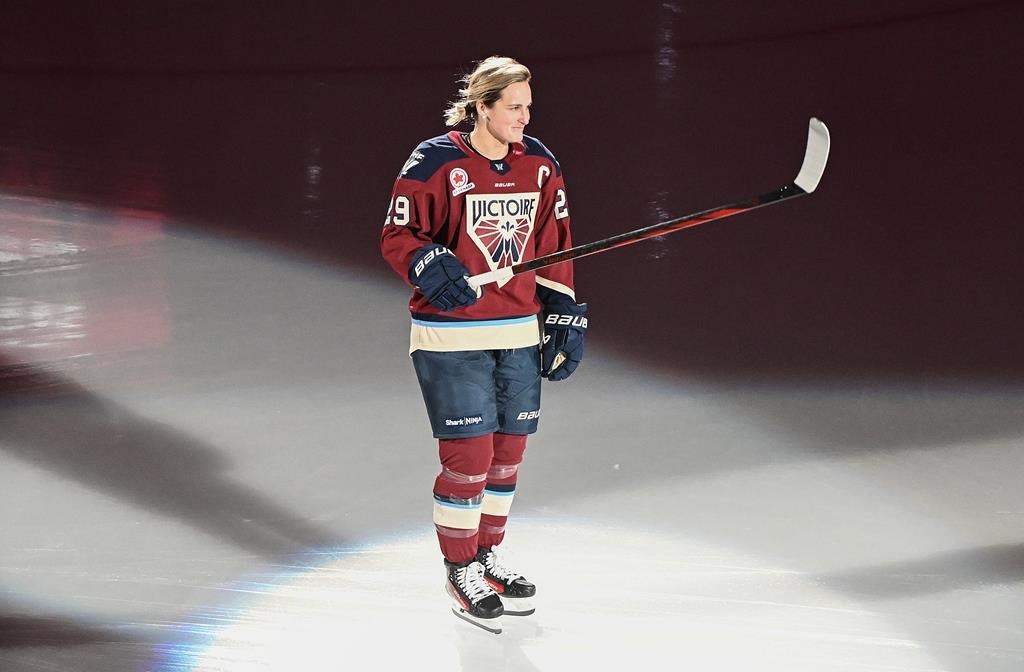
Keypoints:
pixel 501 225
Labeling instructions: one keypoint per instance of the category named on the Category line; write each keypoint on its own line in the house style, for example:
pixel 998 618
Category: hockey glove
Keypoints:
pixel 562 348
pixel 441 277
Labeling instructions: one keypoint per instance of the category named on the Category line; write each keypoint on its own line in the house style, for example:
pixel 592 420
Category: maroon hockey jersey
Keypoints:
pixel 491 214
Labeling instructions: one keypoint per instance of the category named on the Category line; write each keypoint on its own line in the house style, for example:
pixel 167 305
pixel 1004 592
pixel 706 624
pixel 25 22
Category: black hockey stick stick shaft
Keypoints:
pixel 660 229
pixel 815 157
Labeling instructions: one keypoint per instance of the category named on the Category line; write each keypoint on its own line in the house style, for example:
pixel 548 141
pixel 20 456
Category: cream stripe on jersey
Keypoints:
pixel 557 286
pixel 519 332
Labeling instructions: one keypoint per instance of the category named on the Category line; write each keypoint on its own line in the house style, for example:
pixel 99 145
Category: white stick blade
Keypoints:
pixel 815 157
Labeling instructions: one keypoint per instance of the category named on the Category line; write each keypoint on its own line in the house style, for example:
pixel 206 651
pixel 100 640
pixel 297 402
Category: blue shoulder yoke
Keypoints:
pixel 429 156
pixel 536 148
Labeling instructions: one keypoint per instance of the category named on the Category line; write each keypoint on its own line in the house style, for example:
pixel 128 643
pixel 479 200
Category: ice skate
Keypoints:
pixel 515 591
pixel 474 600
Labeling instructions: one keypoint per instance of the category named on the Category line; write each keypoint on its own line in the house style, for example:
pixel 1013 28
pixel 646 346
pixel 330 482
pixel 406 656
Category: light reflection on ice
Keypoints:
pixel 667 599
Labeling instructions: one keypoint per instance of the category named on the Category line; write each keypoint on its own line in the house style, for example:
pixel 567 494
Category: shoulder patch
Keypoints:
pixel 535 147
pixel 429 156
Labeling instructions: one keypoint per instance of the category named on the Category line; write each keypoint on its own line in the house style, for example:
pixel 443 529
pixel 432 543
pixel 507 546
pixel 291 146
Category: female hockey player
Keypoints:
pixel 466 203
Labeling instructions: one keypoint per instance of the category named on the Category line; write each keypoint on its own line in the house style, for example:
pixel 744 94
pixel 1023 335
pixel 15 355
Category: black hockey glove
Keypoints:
pixel 439 274
pixel 562 348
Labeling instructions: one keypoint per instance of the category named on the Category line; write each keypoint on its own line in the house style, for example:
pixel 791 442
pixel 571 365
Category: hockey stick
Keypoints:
pixel 806 182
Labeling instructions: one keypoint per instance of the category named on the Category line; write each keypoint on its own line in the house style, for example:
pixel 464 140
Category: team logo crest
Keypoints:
pixel 459 181
pixel 501 225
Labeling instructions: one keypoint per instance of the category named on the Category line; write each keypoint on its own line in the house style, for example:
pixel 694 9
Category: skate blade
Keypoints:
pixel 517 606
pixel 492 625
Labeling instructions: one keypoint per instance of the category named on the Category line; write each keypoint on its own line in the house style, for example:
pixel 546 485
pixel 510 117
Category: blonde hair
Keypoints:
pixel 485 85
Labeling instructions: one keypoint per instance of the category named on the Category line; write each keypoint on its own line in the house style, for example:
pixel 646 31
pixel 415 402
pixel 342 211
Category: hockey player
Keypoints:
pixel 466 203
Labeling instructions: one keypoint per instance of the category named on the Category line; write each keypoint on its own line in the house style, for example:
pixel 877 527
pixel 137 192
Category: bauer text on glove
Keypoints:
pixel 562 347
pixel 441 277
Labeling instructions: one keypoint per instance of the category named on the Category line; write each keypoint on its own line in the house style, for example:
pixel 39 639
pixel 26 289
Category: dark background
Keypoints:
pixel 286 124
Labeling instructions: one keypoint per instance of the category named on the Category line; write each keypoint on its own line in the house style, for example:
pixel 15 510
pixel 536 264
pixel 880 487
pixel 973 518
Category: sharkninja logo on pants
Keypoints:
pixel 464 421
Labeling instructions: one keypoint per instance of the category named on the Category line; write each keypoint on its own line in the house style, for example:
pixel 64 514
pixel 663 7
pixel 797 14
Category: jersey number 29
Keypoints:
pixel 398 211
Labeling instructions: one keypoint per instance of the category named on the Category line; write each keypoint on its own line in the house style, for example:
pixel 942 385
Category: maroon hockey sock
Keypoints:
pixel 501 485
pixel 458 494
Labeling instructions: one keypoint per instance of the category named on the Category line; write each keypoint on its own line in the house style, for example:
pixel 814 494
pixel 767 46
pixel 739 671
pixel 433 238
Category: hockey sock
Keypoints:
pixel 501 487
pixel 458 494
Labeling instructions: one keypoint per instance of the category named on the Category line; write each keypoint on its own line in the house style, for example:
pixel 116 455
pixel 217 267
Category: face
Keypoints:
pixel 508 117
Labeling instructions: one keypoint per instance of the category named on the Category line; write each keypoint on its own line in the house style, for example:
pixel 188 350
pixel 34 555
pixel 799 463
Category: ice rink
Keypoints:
pixel 243 494
pixel 796 442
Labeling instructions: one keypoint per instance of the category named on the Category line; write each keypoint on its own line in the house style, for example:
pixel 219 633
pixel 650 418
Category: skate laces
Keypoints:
pixel 499 570
pixel 471 581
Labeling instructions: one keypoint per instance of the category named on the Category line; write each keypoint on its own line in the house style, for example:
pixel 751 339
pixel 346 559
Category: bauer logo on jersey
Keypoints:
pixel 500 225
pixel 460 181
